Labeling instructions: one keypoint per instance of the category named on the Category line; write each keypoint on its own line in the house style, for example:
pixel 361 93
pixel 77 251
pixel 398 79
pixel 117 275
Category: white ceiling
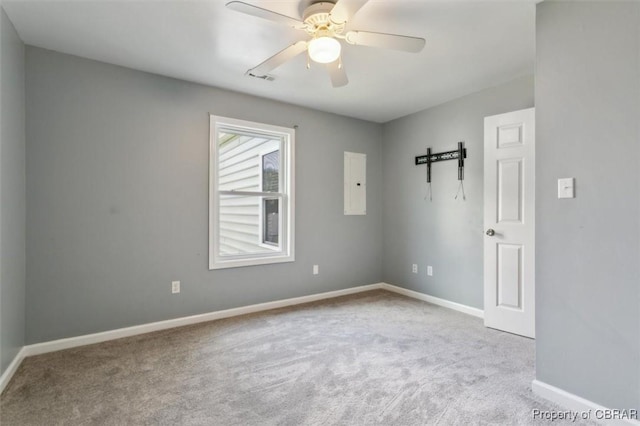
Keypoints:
pixel 470 46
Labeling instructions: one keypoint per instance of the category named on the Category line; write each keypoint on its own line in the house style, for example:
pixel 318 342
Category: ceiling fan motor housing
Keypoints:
pixel 317 18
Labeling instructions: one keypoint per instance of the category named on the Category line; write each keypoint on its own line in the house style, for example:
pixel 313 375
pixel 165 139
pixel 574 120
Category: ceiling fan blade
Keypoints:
pixel 279 58
pixel 270 15
pixel 344 10
pixel 337 74
pixel 385 41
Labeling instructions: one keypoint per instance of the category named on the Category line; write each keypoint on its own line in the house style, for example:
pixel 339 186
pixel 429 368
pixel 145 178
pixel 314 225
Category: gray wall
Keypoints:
pixel 12 193
pixel 588 248
pixel 117 193
pixel 444 233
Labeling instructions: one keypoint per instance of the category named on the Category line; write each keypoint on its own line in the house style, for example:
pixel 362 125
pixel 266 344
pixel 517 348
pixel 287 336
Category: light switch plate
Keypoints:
pixel 565 188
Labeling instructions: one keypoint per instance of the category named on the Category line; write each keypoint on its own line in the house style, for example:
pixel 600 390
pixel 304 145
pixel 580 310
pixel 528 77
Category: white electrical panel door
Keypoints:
pixel 355 183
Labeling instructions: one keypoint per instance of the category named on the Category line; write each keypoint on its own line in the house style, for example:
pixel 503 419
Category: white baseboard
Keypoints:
pixel 12 368
pixel 435 300
pixel 88 339
pixel 575 403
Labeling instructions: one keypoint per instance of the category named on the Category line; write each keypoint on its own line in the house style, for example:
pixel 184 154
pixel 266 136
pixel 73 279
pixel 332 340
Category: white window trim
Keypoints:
pixel 287 162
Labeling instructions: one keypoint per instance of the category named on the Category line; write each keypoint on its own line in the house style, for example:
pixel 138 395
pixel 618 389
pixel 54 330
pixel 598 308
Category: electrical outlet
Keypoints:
pixel 316 270
pixel 175 287
pixel 430 271
pixel 414 268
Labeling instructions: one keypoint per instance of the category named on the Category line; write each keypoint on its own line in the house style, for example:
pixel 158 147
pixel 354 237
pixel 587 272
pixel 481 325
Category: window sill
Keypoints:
pixel 240 263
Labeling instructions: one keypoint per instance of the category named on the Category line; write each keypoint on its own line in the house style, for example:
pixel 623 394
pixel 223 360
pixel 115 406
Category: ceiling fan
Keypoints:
pixel 325 22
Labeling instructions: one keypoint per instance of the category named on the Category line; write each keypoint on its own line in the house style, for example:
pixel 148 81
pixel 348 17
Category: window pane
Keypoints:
pixel 270 171
pixel 240 223
pixel 271 221
pixel 239 161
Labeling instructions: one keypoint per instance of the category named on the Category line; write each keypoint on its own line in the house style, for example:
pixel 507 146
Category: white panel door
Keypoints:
pixel 509 186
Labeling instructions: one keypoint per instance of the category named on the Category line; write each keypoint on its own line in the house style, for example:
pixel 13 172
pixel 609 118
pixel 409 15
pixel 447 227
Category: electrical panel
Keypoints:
pixel 355 183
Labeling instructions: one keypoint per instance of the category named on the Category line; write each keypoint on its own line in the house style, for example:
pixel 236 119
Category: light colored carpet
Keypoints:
pixel 371 358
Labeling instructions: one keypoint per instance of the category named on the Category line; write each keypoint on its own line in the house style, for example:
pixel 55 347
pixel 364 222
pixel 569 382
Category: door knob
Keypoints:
pixel 491 232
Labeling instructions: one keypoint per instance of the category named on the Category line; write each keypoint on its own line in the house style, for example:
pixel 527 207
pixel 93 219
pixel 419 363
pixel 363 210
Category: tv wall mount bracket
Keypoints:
pixel 460 154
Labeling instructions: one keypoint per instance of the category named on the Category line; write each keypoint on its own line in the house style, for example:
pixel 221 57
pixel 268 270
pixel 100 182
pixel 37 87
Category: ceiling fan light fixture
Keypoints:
pixel 324 50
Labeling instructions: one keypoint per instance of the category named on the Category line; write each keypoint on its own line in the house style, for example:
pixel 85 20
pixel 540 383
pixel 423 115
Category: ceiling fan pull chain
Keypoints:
pixel 308 60
pixel 340 62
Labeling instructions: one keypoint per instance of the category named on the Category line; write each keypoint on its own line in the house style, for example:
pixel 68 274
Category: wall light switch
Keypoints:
pixel 565 188
pixel 430 271
pixel 316 270
pixel 175 287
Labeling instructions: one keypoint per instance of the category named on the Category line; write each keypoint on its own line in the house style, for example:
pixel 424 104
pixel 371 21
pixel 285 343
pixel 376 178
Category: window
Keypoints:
pixel 251 203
